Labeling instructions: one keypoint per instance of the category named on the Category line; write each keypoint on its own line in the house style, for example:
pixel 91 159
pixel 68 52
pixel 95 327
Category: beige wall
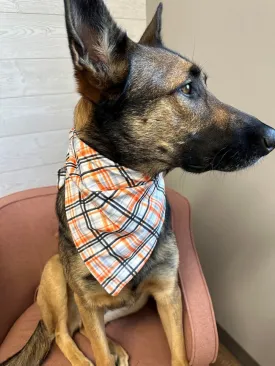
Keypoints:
pixel 37 91
pixel 234 214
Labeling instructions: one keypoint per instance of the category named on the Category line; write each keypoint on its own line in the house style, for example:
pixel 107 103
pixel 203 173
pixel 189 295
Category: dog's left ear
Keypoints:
pixel 152 35
pixel 99 48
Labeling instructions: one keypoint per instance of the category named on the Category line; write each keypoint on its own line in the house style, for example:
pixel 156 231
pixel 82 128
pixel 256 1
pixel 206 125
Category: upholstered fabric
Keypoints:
pixel 29 227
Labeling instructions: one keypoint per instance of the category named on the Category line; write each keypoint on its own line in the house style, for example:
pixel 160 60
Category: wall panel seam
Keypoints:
pixel 37 95
pixel 35 166
pixel 62 15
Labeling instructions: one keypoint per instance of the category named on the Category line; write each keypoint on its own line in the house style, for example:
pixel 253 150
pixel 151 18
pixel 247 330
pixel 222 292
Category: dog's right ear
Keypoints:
pixel 152 35
pixel 98 47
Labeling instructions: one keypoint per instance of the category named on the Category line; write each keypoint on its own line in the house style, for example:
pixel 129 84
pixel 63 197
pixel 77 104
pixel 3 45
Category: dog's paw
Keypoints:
pixel 180 363
pixel 119 353
pixel 82 362
pixel 88 363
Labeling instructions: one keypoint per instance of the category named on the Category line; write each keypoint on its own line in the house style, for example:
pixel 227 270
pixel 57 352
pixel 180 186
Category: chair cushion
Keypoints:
pixel 33 212
pixel 27 240
pixel 141 335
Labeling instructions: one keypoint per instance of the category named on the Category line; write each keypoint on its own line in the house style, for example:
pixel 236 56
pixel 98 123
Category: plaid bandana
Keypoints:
pixel 115 214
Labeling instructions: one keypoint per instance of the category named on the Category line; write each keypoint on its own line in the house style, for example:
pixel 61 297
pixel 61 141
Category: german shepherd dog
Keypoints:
pixel 147 108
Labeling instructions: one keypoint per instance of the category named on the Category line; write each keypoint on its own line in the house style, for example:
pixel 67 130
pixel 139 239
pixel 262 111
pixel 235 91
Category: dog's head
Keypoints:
pixel 149 108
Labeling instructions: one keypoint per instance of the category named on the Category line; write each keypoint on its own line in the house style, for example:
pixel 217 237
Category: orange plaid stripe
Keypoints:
pixel 115 214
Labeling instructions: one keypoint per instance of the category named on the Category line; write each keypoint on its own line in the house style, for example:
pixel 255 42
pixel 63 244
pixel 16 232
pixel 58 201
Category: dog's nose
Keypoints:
pixel 268 139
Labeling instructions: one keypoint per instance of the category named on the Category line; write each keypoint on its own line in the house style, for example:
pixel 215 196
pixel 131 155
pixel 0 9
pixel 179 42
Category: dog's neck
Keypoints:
pixel 82 113
pixel 89 133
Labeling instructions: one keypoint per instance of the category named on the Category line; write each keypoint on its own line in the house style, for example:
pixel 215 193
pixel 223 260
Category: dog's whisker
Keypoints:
pixel 213 160
pixel 223 156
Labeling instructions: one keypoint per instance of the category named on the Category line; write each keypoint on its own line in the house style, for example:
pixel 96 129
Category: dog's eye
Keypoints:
pixel 187 89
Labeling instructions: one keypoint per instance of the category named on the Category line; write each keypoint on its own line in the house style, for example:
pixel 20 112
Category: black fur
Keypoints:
pixel 131 124
pixel 140 116
pixel 35 351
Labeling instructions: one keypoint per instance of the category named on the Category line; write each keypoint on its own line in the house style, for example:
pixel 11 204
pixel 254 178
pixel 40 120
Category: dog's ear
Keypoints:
pixel 152 35
pixel 98 47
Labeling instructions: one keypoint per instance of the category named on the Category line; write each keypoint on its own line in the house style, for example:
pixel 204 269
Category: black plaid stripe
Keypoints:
pixel 101 235
pixel 136 222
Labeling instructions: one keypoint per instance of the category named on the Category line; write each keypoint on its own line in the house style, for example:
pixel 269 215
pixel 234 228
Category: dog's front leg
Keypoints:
pixel 169 306
pixel 93 321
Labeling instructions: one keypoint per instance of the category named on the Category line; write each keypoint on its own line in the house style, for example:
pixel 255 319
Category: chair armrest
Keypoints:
pixel 199 319
pixel 27 240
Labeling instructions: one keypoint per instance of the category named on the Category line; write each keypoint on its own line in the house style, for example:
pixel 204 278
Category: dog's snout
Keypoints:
pixel 269 138
pixel 259 136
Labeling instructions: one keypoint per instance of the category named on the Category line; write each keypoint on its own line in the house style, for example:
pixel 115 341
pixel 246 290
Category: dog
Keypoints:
pixel 146 108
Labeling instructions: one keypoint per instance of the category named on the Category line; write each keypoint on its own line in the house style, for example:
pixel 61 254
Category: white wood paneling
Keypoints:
pixel 32 6
pixel 33 150
pixel 44 36
pixel 134 28
pixel 134 9
pixel 29 36
pixel 37 88
pixel 35 77
pixel 25 115
pixel 41 176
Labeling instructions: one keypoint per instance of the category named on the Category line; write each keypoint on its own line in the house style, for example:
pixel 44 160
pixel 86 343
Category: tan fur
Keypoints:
pixel 64 313
pixel 67 299
pixel 138 90
pixel 87 86
pixel 93 322
pixel 220 116
pixel 59 312
pixel 127 310
pixel 169 306
pixel 115 349
pixel 61 316
pixel 92 304
pixel 83 111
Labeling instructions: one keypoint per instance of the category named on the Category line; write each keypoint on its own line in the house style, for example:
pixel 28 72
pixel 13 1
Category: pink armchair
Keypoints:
pixel 28 239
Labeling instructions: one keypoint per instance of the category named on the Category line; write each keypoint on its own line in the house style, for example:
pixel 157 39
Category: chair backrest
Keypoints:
pixel 28 238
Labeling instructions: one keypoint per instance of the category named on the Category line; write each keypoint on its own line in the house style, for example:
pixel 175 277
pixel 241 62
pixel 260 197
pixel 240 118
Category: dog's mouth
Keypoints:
pixel 232 162
pixel 227 152
pixel 228 165
pixel 196 169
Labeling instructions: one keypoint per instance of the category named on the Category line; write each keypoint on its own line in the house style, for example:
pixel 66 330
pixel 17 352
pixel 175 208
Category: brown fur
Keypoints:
pixel 136 110
pixel 82 113
pixel 92 301
pixel 35 351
